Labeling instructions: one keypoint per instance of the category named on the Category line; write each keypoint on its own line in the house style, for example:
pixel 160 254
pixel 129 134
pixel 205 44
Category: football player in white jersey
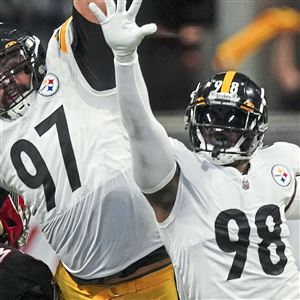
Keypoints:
pixel 65 150
pixel 221 208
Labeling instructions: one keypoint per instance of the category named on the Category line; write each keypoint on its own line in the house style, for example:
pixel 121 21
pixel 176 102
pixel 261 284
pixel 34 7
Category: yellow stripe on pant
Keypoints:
pixel 159 285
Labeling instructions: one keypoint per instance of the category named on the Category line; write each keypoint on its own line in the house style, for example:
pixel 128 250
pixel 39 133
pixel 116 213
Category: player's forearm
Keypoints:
pixel 153 159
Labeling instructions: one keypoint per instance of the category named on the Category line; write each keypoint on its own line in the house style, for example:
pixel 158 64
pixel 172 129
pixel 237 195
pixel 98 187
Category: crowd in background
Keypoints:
pixel 35 14
pixel 272 36
pixel 178 54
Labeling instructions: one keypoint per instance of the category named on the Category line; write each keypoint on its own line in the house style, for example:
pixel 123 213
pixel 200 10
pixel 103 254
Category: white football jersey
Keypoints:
pixel 69 157
pixel 227 234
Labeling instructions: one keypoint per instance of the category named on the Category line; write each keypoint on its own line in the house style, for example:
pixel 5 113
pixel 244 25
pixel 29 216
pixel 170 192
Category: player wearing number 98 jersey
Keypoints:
pixel 222 217
pixel 233 226
pixel 233 198
pixel 221 208
pixel 65 150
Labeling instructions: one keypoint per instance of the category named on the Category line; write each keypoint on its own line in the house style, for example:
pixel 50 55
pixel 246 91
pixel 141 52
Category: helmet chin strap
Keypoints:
pixel 216 151
pixel 20 109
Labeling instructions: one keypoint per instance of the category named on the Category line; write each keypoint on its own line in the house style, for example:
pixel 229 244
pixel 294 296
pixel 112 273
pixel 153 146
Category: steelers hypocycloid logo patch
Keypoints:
pixel 49 85
pixel 281 175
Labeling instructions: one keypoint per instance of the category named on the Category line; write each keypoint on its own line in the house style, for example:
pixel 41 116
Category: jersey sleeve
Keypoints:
pixel 292 211
pixel 292 154
pixel 187 161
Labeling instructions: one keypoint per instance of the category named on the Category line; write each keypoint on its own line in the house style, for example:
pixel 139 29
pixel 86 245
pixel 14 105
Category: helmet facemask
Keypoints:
pixel 22 68
pixel 223 126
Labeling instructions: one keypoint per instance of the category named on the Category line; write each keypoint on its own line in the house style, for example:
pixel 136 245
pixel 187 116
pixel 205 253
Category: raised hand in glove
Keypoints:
pixel 120 30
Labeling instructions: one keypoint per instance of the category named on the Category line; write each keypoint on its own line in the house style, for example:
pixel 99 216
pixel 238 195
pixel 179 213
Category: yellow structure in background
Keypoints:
pixel 232 52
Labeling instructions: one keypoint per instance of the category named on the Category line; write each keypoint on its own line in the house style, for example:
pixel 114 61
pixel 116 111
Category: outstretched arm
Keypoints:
pixel 154 163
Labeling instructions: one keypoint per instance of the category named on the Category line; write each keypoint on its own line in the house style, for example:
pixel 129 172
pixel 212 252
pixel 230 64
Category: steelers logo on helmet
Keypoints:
pixel 10 44
pixel 227 117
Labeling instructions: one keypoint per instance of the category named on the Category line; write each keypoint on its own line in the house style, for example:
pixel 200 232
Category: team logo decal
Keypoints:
pixel 281 175
pixel 49 85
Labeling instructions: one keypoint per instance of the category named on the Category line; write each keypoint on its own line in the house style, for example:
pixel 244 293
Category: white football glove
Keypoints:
pixel 119 28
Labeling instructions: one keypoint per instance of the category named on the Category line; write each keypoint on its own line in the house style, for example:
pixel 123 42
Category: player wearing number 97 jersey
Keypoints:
pixel 65 155
pixel 65 150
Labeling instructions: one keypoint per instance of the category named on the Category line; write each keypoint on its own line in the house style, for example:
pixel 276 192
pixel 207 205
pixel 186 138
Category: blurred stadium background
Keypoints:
pixel 185 51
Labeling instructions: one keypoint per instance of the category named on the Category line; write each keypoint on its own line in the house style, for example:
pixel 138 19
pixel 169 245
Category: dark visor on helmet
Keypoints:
pixel 223 116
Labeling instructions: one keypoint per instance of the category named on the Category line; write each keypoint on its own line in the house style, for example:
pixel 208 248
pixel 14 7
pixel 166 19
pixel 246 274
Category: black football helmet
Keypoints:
pixel 20 51
pixel 227 117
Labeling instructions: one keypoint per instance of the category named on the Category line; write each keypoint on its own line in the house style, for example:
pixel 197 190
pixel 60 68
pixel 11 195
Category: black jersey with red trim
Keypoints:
pixel 21 274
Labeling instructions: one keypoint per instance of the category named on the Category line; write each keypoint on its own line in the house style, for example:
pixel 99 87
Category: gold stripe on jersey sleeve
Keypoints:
pixel 227 81
pixel 62 36
pixel 56 36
